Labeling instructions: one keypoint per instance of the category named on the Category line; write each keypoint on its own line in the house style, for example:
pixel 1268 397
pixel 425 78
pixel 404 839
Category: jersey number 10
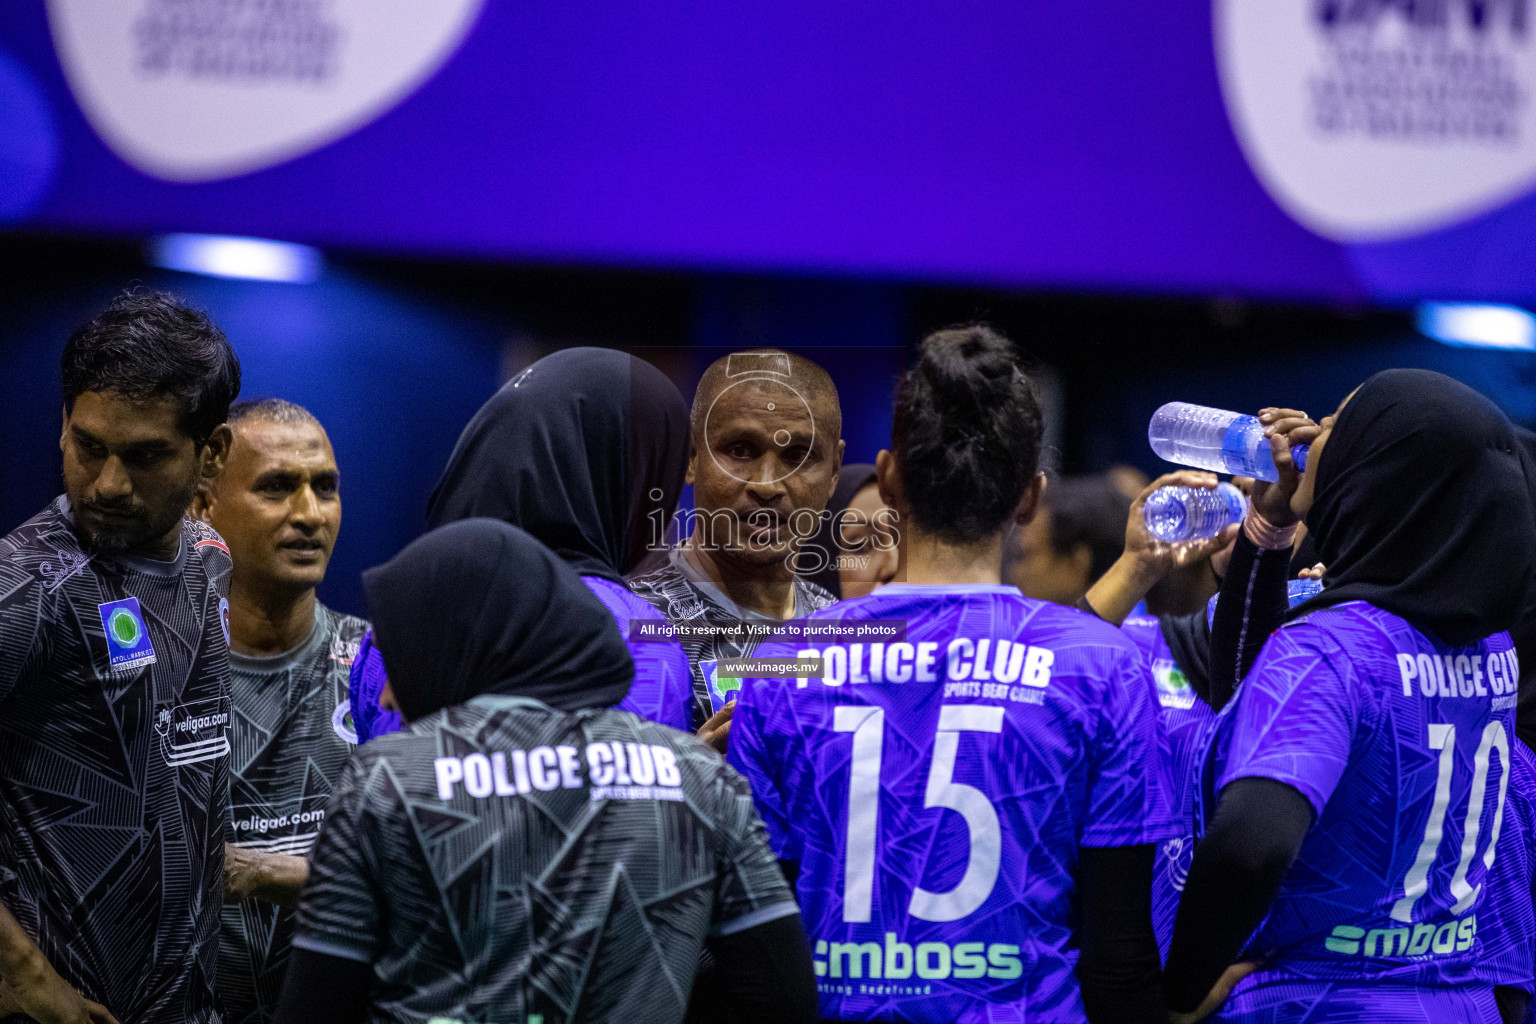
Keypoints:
pixel 868 727
pixel 1416 882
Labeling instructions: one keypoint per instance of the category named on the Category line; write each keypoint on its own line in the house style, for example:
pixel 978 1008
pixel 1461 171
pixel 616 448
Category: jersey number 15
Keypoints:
pixel 868 727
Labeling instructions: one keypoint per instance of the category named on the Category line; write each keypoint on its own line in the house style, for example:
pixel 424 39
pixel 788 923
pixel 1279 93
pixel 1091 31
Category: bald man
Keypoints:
pixel 277 503
pixel 765 448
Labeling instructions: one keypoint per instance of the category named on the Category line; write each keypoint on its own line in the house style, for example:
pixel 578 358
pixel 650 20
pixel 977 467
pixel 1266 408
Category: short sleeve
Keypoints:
pixel 365 684
pixel 679 708
pixel 751 889
pixel 1507 933
pixel 756 751
pixel 1292 720
pixel 1130 796
pixel 339 911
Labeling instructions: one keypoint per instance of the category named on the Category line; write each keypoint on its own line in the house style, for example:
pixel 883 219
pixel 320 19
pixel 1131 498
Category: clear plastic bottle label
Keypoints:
pixel 1245 449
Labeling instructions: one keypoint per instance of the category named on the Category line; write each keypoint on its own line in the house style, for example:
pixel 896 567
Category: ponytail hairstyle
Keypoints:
pixel 967 433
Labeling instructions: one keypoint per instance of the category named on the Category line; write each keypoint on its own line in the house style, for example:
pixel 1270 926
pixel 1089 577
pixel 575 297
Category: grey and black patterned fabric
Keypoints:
pixel 114 779
pixel 291 733
pixel 677 591
pixel 504 861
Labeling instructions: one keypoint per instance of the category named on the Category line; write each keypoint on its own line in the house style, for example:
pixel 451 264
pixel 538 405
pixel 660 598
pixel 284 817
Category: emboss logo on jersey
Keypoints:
pixel 224 618
pixel 1400 940
pixel 195 731
pixel 902 962
pixel 128 645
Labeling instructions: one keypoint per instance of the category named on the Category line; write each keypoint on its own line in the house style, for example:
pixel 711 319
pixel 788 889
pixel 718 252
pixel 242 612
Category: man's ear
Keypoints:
pixel 1081 560
pixel 1029 505
pixel 203 501
pixel 888 480
pixel 64 428
pixel 693 455
pixel 216 452
pixel 837 472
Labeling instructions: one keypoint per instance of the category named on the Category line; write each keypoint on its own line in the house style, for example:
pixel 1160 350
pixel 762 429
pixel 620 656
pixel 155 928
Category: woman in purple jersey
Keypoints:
pixel 970 812
pixel 1353 825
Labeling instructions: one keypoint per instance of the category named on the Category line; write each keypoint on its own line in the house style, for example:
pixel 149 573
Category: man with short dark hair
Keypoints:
pixel 765 448
pixel 1077 536
pixel 114 686
pixel 277 504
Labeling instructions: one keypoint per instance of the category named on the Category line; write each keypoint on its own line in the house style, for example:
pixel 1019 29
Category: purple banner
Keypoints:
pixel 1124 146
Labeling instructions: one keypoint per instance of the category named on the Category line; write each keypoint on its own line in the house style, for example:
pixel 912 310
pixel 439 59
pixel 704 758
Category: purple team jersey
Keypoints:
pixel 663 688
pixel 662 691
pixel 1188 722
pixel 1507 928
pixel 1402 745
pixel 935 792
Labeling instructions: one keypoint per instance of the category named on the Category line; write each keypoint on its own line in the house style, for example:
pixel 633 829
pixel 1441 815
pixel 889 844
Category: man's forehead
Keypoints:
pixel 769 395
pixel 271 444
pixel 125 420
pixel 761 396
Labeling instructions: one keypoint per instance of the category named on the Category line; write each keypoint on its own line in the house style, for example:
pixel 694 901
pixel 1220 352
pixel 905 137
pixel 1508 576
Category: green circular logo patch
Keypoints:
pixel 125 628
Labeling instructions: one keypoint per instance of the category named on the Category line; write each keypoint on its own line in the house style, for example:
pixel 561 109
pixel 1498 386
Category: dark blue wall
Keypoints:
pixel 395 358
pixel 394 379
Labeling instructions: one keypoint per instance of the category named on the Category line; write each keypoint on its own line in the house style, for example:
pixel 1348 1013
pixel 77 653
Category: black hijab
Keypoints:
pixel 853 479
pixel 1524 631
pixel 479 606
pixel 1422 506
pixel 586 449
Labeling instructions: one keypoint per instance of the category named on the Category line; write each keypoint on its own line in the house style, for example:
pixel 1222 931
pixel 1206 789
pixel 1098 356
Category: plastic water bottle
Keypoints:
pixel 1176 514
pixel 1217 440
pixel 1297 591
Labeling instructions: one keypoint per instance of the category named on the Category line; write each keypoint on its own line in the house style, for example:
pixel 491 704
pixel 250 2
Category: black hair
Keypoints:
pixel 148 344
pixel 1088 510
pixel 967 433
pixel 272 410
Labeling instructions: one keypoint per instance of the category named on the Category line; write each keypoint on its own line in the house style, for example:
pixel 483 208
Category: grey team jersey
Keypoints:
pixel 291 730
pixel 682 594
pixel 114 763
pixel 505 862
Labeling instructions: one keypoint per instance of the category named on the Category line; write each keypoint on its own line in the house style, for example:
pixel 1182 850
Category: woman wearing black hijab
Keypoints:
pixel 1358 777
pixel 586 450
pixel 524 851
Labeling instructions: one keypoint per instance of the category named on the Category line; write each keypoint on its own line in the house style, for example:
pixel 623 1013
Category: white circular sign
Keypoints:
pixel 197 90
pixel 1368 121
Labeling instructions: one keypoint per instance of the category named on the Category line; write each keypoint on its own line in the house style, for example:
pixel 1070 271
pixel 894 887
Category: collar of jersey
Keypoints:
pixel 510 702
pixel 294 655
pixel 137 563
pixel 946 588
pixel 711 590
